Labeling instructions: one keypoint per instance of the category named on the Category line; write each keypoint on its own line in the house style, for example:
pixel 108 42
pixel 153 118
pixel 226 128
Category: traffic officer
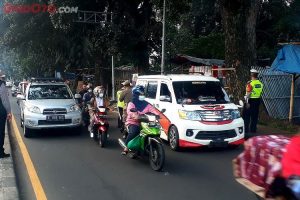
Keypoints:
pixel 126 96
pixel 254 90
pixel 121 105
pixel 5 113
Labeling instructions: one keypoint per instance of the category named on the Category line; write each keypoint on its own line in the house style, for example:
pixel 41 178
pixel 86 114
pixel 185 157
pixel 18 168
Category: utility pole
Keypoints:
pixel 162 66
pixel 113 77
pixel 93 17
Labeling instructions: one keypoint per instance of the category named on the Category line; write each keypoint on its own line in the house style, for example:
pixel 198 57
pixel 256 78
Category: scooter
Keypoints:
pixel 100 126
pixel 148 142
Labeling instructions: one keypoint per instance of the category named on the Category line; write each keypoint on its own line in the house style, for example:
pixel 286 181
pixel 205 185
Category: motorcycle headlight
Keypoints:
pixel 74 108
pixel 152 118
pixel 235 114
pixel 102 109
pixel 34 109
pixel 190 115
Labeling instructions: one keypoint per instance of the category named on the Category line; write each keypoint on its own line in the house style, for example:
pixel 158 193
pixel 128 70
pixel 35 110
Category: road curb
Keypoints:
pixel 8 183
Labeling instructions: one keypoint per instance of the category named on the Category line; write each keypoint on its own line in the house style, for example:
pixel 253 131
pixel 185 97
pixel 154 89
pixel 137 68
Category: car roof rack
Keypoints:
pixel 46 80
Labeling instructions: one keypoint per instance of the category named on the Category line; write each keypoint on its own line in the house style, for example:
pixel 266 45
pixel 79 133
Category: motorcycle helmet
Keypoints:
pixel 99 90
pixel 138 90
pixel 96 91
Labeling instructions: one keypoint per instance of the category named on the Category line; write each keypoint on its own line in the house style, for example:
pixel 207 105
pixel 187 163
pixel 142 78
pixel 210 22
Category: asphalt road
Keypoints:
pixel 73 167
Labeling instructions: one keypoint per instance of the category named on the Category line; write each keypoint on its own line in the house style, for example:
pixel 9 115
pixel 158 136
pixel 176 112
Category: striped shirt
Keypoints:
pixel 4 97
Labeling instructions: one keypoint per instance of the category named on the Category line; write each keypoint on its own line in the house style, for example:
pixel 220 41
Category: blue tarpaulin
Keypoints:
pixel 288 59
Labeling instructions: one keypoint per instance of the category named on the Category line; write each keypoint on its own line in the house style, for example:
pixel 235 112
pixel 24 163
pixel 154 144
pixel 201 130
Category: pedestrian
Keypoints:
pixel 83 89
pixel 5 113
pixel 120 105
pixel 86 106
pixel 126 96
pixel 82 92
pixel 254 90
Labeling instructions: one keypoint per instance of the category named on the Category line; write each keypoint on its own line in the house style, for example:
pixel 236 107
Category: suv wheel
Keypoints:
pixel 173 138
pixel 77 131
pixel 26 132
pixel 22 121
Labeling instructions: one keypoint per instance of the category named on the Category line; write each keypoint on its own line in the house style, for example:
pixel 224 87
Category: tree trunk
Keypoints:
pixel 97 79
pixel 142 54
pixel 239 22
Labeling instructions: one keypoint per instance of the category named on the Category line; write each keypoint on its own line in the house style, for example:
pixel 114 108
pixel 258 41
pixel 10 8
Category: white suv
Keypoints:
pixel 48 104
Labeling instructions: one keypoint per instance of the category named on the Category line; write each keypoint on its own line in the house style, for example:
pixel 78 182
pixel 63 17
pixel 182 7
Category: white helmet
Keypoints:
pixel 254 71
pixel 97 90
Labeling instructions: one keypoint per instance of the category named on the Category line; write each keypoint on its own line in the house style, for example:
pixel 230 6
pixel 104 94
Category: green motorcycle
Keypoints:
pixel 148 142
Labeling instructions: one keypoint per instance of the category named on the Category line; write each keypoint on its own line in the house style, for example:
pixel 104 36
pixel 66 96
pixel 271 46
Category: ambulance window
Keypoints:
pixel 164 91
pixel 151 89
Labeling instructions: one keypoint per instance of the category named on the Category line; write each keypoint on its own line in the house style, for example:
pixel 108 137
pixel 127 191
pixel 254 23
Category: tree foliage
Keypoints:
pixel 41 43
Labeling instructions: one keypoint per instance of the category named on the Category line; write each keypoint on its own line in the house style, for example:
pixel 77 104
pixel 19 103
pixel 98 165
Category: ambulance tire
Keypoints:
pixel 173 138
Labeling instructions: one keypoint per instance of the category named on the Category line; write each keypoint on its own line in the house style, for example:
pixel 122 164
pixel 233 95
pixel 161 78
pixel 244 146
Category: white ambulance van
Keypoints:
pixel 198 111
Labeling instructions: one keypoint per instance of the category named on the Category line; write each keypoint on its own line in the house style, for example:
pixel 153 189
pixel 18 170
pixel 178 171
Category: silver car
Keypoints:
pixel 49 105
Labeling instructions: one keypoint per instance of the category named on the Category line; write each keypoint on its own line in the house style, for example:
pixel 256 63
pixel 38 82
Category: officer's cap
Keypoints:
pixel 126 83
pixel 254 71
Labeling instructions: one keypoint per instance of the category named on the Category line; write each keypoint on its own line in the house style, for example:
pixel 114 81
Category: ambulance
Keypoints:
pixel 197 111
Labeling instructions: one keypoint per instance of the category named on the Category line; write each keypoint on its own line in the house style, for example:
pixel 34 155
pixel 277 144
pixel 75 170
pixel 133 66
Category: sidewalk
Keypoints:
pixel 266 130
pixel 8 185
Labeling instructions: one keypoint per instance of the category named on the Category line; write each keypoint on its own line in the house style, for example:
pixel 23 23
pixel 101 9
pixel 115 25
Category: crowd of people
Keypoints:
pixel 127 98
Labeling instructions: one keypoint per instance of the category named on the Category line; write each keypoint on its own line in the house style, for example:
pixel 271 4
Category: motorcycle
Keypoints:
pixel 85 115
pixel 100 126
pixel 148 142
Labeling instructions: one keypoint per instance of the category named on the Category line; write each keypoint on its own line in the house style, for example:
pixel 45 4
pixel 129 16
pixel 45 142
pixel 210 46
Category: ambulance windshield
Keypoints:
pixel 200 92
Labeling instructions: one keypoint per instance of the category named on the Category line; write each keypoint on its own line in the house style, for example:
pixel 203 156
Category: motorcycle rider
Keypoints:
pixel 87 96
pixel 138 102
pixel 98 100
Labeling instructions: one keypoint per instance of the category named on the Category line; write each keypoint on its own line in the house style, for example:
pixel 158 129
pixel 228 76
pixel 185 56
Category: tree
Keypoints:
pixel 239 19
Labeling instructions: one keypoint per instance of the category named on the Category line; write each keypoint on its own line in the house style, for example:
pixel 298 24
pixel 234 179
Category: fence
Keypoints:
pixel 277 92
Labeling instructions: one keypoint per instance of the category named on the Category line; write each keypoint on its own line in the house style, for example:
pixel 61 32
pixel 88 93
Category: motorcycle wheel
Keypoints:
pixel 102 138
pixel 157 156
pixel 96 137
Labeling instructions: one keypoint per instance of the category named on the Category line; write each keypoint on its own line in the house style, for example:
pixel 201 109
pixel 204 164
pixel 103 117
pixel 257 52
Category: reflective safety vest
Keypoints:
pixel 256 89
pixel 120 104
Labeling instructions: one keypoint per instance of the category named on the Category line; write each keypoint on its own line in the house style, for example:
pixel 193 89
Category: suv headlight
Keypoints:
pixel 74 108
pixel 34 109
pixel 190 115
pixel 235 114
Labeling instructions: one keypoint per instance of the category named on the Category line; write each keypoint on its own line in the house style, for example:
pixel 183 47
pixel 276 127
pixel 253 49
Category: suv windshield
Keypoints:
pixel 199 92
pixel 48 92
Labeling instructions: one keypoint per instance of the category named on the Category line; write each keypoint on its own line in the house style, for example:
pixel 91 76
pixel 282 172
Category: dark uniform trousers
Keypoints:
pixel 3 117
pixel 120 118
pixel 250 115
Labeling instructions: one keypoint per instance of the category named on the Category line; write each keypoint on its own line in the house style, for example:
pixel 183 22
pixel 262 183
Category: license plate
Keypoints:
pixel 217 143
pixel 55 118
